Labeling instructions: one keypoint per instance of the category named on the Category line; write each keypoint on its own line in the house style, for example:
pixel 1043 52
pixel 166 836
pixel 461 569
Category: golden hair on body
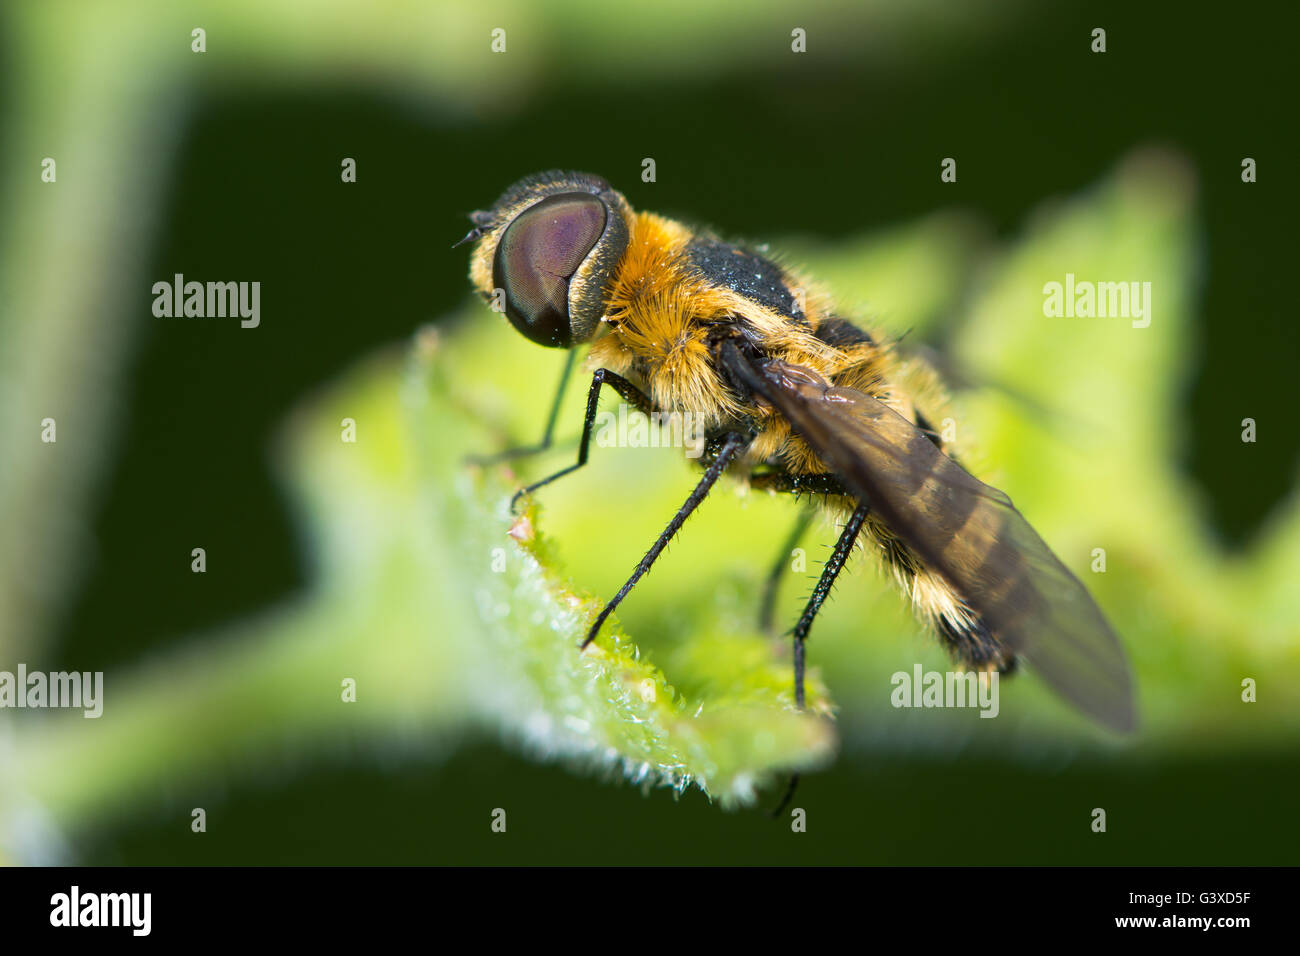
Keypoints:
pixel 681 321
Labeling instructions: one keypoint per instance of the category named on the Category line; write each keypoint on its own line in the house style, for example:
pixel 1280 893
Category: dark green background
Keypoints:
pixel 798 146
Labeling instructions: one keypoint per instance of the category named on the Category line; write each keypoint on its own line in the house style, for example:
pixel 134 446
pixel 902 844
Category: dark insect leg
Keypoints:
pixel 786 797
pixel 774 576
pixel 732 444
pixel 545 443
pixel 824 584
pixel 830 572
pixel 601 377
pixel 786 484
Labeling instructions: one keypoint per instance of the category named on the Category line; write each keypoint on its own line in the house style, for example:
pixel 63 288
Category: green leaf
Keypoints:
pixel 502 609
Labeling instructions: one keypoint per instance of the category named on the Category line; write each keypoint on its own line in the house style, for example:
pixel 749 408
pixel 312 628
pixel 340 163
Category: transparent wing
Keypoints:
pixel 968 531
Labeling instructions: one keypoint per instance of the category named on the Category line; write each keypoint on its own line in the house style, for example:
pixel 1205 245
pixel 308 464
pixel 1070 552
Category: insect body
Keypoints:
pixel 795 399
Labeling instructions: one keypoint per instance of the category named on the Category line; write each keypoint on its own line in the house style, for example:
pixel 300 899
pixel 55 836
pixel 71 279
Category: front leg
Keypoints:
pixel 524 450
pixel 602 376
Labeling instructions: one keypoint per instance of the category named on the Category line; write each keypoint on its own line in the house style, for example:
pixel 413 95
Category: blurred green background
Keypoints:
pixel 222 688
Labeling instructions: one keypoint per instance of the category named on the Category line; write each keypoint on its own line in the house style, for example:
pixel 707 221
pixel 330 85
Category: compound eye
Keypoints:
pixel 537 256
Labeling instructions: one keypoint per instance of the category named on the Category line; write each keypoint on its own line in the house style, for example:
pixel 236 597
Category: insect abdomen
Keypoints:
pixel 958 627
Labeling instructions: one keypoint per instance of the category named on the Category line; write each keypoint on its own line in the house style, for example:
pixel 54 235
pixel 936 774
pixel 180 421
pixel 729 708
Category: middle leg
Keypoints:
pixel 772 585
pixel 731 446
pixel 834 564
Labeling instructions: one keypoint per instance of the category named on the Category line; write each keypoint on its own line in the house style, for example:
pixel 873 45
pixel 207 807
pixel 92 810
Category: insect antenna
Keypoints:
pixel 470 236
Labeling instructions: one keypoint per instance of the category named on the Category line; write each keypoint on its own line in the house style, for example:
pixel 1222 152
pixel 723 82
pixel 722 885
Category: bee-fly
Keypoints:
pixel 795 399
